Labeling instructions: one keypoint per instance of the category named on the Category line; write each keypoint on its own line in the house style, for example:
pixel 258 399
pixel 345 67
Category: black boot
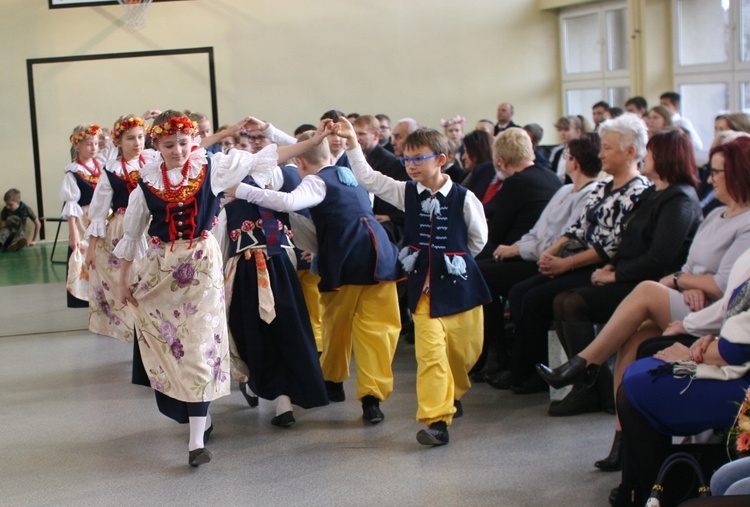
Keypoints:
pixel 613 462
pixel 574 372
pixel 581 400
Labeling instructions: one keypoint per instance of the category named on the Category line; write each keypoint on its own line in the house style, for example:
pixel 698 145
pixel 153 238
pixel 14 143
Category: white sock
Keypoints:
pixel 283 404
pixel 208 420
pixel 197 427
pixel 250 391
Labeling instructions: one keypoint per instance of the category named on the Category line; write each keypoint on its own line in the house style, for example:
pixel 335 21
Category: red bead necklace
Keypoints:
pixel 95 172
pixel 131 177
pixel 174 192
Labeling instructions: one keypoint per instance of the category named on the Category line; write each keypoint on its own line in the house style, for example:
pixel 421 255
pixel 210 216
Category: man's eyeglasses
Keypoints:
pixel 256 138
pixel 417 161
pixel 716 172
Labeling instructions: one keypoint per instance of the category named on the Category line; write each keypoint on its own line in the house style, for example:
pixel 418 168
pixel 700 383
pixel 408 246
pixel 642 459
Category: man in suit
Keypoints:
pixel 504 117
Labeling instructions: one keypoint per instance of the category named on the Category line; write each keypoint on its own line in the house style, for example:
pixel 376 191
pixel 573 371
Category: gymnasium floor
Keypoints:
pixel 75 431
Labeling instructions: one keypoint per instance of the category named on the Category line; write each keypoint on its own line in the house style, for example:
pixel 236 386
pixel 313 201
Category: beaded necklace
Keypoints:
pixel 95 172
pixel 131 177
pixel 173 192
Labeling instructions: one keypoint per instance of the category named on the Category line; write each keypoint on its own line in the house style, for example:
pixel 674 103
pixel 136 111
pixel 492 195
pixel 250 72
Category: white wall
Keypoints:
pixel 285 61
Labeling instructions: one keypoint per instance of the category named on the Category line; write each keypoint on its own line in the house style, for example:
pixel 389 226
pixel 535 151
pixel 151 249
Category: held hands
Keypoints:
pixel 232 191
pixel 695 299
pixel 603 276
pixel 673 353
pixel 150 113
pixel 344 129
pixel 552 266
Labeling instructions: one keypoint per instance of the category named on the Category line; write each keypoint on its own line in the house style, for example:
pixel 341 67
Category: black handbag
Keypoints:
pixel 657 491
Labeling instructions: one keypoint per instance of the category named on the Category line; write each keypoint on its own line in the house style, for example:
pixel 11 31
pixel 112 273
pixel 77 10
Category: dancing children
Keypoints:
pixel 358 268
pixel 13 223
pixel 274 352
pixel 81 177
pixel 177 297
pixel 444 229
pixel 107 315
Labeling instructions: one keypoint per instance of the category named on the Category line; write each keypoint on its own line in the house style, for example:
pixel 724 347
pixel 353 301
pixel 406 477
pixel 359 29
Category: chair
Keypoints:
pixel 59 221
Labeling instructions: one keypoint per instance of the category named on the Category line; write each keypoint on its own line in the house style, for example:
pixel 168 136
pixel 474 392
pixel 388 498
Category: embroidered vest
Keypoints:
pixel 86 188
pixel 187 217
pixel 434 238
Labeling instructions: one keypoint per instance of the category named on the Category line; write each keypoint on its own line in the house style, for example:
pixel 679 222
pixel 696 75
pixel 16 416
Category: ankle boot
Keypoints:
pixel 574 372
pixel 613 462
pixel 581 400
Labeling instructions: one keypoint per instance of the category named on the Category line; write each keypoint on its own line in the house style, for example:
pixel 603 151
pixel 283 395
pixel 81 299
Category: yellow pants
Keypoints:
pixel 446 349
pixel 309 283
pixel 364 317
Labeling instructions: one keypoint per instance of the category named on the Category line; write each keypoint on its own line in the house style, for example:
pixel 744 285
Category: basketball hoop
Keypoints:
pixel 135 13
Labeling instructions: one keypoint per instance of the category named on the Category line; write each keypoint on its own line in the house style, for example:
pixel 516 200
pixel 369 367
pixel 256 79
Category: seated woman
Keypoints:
pixel 658 119
pixel 571 260
pixel 477 162
pixel 652 306
pixel 525 191
pixel 685 390
pixel 569 128
pixel 655 241
pixel 513 262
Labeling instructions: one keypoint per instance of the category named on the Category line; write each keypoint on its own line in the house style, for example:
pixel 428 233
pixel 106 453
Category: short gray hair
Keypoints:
pixel 632 129
pixel 411 123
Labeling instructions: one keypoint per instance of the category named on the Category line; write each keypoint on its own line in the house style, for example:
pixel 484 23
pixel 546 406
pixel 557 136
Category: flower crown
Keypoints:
pixel 173 126
pixel 123 126
pixel 458 120
pixel 91 131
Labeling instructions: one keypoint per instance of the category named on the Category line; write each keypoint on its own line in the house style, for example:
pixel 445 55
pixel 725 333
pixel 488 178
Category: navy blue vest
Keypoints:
pixel 353 248
pixel 186 218
pixel 435 237
pixel 245 228
pixel 120 191
pixel 86 189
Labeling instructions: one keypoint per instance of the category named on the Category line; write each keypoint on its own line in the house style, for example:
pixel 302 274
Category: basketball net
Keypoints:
pixel 135 13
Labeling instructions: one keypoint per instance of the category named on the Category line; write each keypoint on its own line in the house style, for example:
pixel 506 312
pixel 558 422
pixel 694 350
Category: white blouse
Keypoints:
pixel 226 171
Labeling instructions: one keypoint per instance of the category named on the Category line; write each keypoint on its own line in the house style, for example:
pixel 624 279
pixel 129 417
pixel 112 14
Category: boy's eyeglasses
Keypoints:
pixel 417 161
pixel 256 138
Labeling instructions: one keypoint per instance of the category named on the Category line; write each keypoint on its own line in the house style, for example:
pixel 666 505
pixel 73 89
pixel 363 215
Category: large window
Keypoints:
pixel 712 60
pixel 595 63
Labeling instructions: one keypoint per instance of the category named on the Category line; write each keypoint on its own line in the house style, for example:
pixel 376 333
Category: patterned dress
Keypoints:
pixel 77 190
pixel 181 329
pixel 107 315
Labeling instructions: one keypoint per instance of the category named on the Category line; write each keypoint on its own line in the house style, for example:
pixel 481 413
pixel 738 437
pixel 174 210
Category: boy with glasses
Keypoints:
pixel 445 228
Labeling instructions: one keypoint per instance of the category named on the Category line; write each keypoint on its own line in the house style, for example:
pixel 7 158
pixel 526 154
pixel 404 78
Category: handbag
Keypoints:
pixel 657 491
pixel 572 247
pixel 738 438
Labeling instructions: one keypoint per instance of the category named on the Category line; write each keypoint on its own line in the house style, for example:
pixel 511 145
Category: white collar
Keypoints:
pixel 445 189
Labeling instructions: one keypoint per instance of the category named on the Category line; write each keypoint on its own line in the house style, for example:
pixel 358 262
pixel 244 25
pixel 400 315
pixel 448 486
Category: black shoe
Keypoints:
pixel 436 434
pixel 371 409
pixel 284 420
pixel 531 385
pixel 199 457
pixel 251 400
pixel 407 332
pixel 207 434
pixel 581 400
pixel 459 409
pixel 335 391
pixel 478 377
pixel 500 380
pixel 574 371
pixel 613 462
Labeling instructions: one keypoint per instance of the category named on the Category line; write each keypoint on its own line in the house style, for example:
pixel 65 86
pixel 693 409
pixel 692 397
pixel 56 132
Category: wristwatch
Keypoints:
pixel 675 278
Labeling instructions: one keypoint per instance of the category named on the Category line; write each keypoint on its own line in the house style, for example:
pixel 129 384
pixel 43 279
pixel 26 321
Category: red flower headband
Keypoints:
pixel 458 120
pixel 91 131
pixel 173 126
pixel 123 126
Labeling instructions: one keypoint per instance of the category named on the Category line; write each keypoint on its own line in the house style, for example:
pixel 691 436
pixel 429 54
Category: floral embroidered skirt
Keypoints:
pixel 180 320
pixel 78 274
pixel 107 315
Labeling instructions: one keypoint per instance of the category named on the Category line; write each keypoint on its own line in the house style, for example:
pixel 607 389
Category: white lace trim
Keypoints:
pixel 151 173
